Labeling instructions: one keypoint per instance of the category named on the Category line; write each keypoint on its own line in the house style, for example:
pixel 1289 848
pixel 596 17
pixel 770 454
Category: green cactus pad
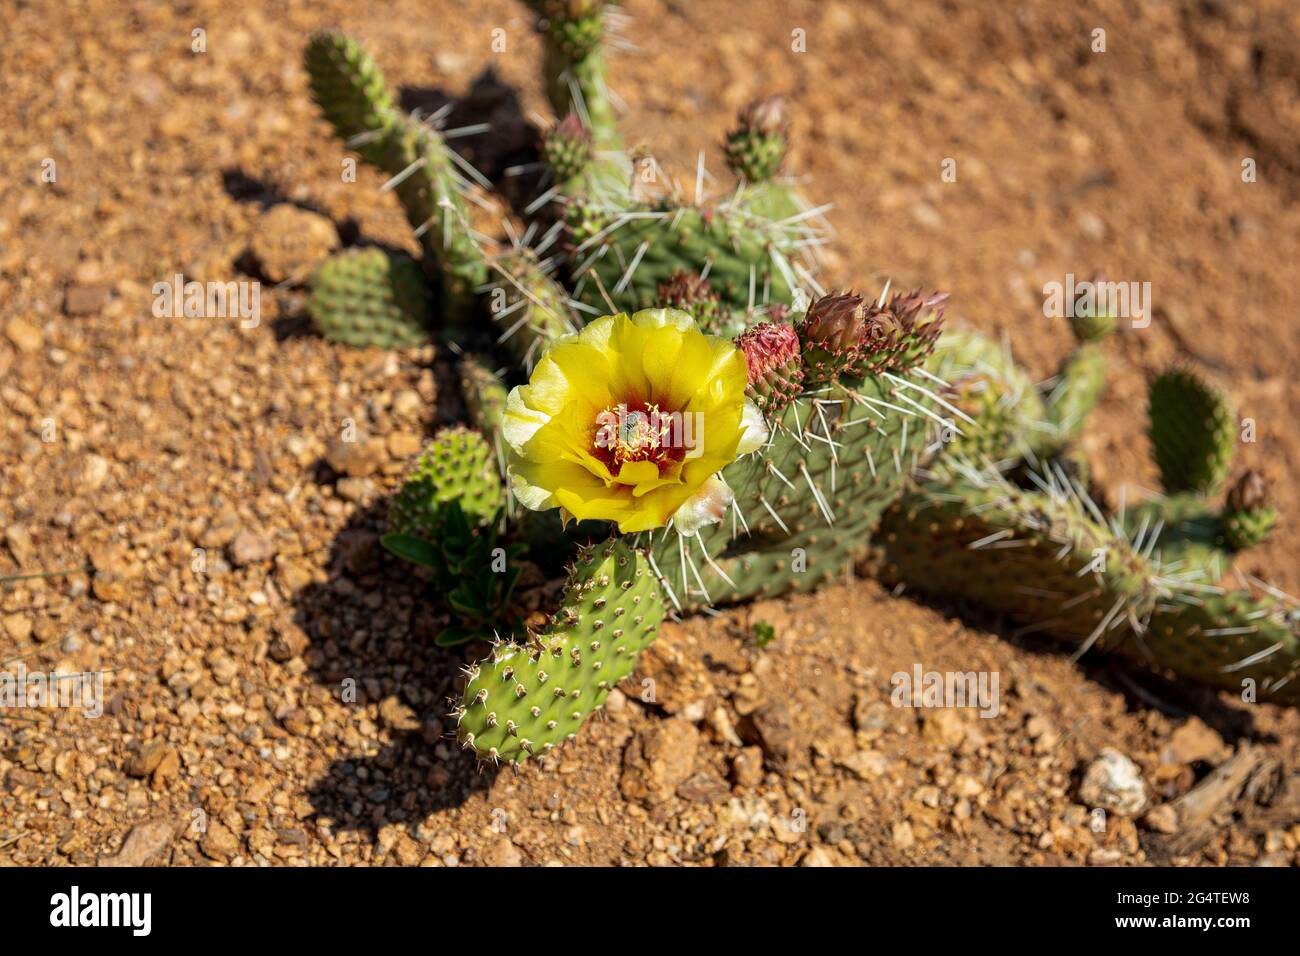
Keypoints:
pixel 1248 513
pixel 1076 391
pixel 458 465
pixel 629 253
pixel 1193 432
pixel 350 90
pixel 806 503
pixel 349 87
pixel 484 395
pixel 1224 640
pixel 367 296
pixel 529 698
pixel 1043 558
pixel 1011 418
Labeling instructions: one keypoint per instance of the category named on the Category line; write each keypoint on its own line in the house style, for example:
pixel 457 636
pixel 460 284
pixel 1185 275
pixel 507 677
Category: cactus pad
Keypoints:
pixel 368 296
pixel 1193 432
pixel 529 698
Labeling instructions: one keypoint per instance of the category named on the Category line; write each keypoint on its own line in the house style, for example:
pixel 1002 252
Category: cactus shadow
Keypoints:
pixel 370 627
pixel 1142 689
pixel 511 142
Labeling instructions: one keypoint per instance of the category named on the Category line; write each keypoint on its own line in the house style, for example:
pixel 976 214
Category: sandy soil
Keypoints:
pixel 130 440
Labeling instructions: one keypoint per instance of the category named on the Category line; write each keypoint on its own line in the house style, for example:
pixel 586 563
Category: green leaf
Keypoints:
pixel 458 634
pixel 413 549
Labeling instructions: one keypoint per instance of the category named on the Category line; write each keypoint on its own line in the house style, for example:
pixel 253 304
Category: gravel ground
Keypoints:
pixel 219 546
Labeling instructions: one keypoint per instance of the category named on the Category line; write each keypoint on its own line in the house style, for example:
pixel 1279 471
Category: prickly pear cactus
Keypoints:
pixel 530 697
pixel 370 297
pixel 1193 432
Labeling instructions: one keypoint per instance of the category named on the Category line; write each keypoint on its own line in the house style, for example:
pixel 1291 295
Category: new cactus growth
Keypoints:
pixel 1248 514
pixel 532 696
pixel 1193 432
pixel 756 147
pixel 457 466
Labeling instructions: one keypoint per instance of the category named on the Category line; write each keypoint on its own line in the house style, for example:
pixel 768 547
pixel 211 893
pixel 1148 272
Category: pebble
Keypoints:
pixel 142 843
pixel 1114 783
pixel 24 336
pixel 84 299
pixel 658 759
pixel 248 548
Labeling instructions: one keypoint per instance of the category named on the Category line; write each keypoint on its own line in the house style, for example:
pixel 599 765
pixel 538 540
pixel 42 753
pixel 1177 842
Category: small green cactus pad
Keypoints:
pixel 485 397
pixel 1193 431
pixel 756 147
pixel 1238 641
pixel 527 699
pixel 1184 532
pixel 351 93
pixel 1045 558
pixel 1076 390
pixel 349 87
pixel 367 296
pixel 458 465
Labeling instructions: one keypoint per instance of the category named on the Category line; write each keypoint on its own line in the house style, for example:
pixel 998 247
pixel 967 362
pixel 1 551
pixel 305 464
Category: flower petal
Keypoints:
pixel 705 507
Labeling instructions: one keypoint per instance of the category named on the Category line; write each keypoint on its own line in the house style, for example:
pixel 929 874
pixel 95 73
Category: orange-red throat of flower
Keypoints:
pixel 637 431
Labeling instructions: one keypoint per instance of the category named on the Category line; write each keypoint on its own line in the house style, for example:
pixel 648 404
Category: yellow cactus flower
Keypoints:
pixel 630 420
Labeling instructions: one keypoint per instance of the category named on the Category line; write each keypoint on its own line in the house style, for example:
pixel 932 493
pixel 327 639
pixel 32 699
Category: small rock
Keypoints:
pixel 775 729
pixel 290 242
pixel 657 760
pixel 902 835
pixel 249 548
pixel 397 716
pixel 168 769
pixel 354 459
pixel 17 626
pixel 1194 741
pixel 865 764
pixel 286 645
pixel 747 767
pixel 219 843
pixel 703 787
pixel 356 490
pixel 84 299
pixel 1161 819
pixel 944 727
pixel 25 336
pixel 501 853
pixel 91 473
pixel 146 761
pixel 144 842
pixel 817 856
pixel 1113 782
